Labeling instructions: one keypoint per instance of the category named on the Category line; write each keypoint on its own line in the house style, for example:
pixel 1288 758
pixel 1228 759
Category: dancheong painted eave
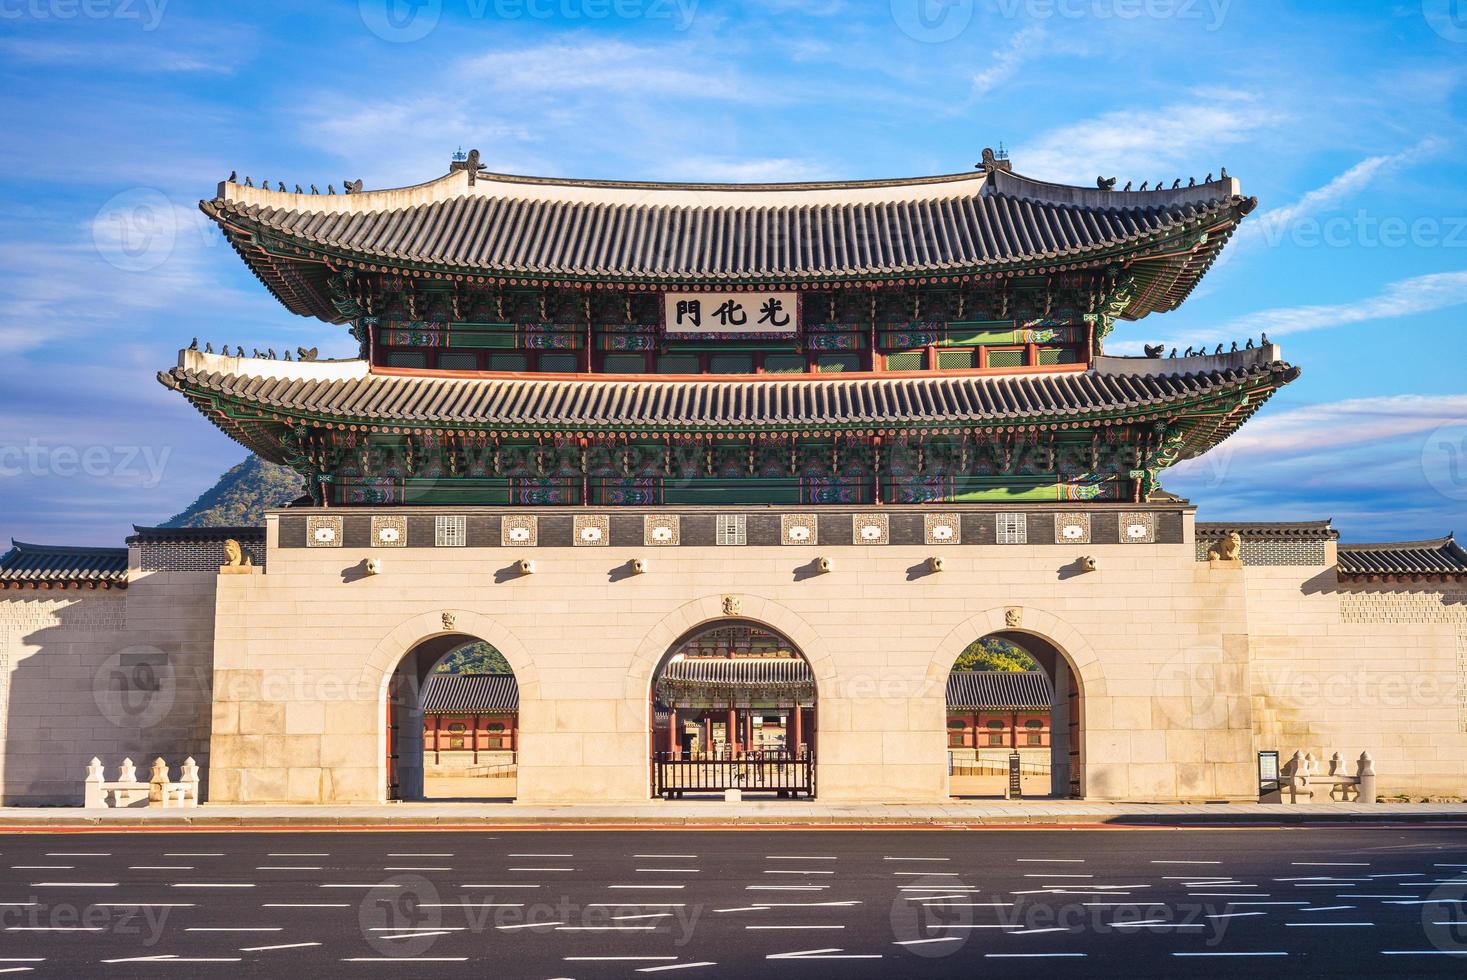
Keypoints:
pixel 252 399
pixel 527 231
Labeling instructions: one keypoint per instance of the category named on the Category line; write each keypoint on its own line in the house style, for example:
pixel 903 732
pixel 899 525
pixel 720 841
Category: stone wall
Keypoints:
pixel 107 673
pixel 303 653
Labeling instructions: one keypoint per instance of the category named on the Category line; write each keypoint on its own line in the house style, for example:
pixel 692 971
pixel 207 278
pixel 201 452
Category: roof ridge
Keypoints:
pixel 22 547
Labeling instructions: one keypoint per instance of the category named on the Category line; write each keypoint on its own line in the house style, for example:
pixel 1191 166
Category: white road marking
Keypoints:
pixel 444 930
pixel 1186 862
pixel 216 884
pixel 500 886
pixel 635 905
pixel 43 867
pixel 961 926
pixel 1330 864
pixel 262 949
pixel 388 869
pixel 1251 953
pixel 175 958
pixel 53 928
pixel 144 905
pixel 644 915
pixel 801 871
pixel 670 871
pixel 945 888
pixel 674 856
pixel 1035 932
pixel 287 867
pixel 306 905
pixel 793 927
pixel 406 959
pixel 777 888
pixel 1328 925
pixel 542 855
pixel 647 887
pixel 467 905
pixel 605 928
pixel 160 867
pixel 196 854
pixel 924 874
pixel 1423 952
pixel 73 884
pixel 675 966
pixel 375 884
pixel 1232 915
pixel 78 854
pixel 304 854
pixel 1057 876
pixel 234 929
pixel 823 954
pixel 529 925
pixel 16 969
pixel 416 935
pixel 935 939
pixel 617 959
pixel 1327 908
pixel 405 854
pixel 798 857
pixel 1026 956
pixel 541 869
pixel 915 859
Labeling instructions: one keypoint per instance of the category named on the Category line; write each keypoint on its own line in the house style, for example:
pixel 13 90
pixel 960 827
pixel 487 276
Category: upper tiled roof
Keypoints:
pixel 1010 690
pixel 515 226
pixel 738 671
pixel 45 566
pixel 1440 557
pixel 348 391
pixel 444 693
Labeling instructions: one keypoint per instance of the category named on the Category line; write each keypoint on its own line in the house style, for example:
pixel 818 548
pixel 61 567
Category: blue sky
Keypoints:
pixel 1349 121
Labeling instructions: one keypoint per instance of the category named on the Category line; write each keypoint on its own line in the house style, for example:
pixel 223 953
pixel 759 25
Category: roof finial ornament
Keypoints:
pixel 194 345
pixel 1191 181
pixel 271 352
pixel 314 190
pixel 208 347
pixel 1234 348
pixel 330 188
pixel 1176 183
pixel 1144 183
pixel 1105 183
pixel 1128 185
pixel 233 176
pixel 306 354
pixel 1263 340
pixel 467 161
pixel 1174 352
pixel 287 355
pixel 1249 345
pixel 1209 177
pixel 248 182
pixel 1224 173
pixel 298 189
pixel 1219 349
pixel 352 186
pixel 996 161
pixel 1153 351
pixel 238 351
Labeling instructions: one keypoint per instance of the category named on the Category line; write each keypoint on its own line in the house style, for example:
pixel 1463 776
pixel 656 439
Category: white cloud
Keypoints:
pixel 1271 225
pixel 771 170
pixel 1021 47
pixel 603 67
pixel 1151 144
pixel 1405 297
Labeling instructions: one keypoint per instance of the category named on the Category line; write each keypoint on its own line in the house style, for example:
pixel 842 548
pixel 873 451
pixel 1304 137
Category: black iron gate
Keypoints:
pixel 781 773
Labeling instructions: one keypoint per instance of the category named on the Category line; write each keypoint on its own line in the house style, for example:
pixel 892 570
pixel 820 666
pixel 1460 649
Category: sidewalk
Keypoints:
pixel 689 814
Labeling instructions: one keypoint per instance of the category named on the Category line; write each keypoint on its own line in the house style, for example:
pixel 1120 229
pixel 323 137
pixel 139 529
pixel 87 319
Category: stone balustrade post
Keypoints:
pixel 94 795
pixel 1365 772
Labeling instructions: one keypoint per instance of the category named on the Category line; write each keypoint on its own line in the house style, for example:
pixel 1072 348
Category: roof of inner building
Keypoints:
pixel 981 222
pixel 347 392
pixel 196 534
pixel 1434 558
pixel 993 690
pixel 42 565
pixel 451 693
pixel 737 671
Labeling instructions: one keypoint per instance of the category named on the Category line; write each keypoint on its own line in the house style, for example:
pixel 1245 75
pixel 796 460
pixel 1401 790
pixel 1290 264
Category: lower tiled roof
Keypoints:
pixel 200 534
pixel 1310 530
pixel 1439 557
pixel 452 693
pixel 49 566
pixel 1008 690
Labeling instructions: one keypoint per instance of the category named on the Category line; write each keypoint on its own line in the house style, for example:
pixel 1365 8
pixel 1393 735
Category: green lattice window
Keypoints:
pixel 677 364
pixel 624 364
pixel 837 363
pixel 1005 358
pixel 406 359
pixel 784 363
pixel 1058 355
pixel 731 364
pixel 559 363
pixel 906 360
pixel 461 361
pixel 508 362
pixel 957 360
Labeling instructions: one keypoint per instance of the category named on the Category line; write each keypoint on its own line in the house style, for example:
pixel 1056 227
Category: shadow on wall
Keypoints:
pixel 82 685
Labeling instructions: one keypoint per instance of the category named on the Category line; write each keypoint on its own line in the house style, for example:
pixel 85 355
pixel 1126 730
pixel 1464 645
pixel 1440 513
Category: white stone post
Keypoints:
pixel 1365 772
pixel 158 783
pixel 95 795
pixel 189 777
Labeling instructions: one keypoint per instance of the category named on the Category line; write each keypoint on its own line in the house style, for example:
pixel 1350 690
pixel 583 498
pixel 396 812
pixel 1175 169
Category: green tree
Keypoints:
pixel 242 496
pixel 475 658
pixel 993 653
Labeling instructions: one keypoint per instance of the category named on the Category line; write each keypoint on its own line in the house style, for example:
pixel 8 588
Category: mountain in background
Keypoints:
pixel 242 496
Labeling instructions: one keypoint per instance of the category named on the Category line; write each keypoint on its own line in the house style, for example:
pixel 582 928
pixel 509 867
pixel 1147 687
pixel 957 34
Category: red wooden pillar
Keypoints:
pixel 1014 731
pixel 672 740
pixel 475 728
pixel 733 726
pixel 796 737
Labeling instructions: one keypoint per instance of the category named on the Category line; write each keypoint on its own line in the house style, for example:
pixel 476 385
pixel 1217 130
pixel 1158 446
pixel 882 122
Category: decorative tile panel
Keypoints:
pixel 661 530
pixel 389 532
pixel 1072 528
pixel 1138 528
pixel 870 529
pixel 451 531
pixel 798 529
pixel 733 529
pixel 519 531
pixel 1011 529
pixel 942 529
pixel 592 530
pixel 323 531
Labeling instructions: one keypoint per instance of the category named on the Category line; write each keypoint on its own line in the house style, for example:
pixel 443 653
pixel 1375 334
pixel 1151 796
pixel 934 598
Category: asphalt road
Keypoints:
pixel 736 904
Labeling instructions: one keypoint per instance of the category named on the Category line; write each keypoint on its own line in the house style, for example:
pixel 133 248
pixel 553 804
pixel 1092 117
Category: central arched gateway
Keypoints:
pixel 733 707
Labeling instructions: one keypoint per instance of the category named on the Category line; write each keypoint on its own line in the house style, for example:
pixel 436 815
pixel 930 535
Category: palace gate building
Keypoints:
pixel 730 475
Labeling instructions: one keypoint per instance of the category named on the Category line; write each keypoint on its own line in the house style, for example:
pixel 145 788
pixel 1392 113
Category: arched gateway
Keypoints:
pixel 451 735
pixel 733 707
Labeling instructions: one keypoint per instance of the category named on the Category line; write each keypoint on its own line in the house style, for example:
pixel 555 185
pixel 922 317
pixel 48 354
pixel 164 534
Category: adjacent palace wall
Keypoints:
pixel 274 676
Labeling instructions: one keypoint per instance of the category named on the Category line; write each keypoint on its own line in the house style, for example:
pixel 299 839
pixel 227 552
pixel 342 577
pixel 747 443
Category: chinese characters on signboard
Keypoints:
pixel 747 314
